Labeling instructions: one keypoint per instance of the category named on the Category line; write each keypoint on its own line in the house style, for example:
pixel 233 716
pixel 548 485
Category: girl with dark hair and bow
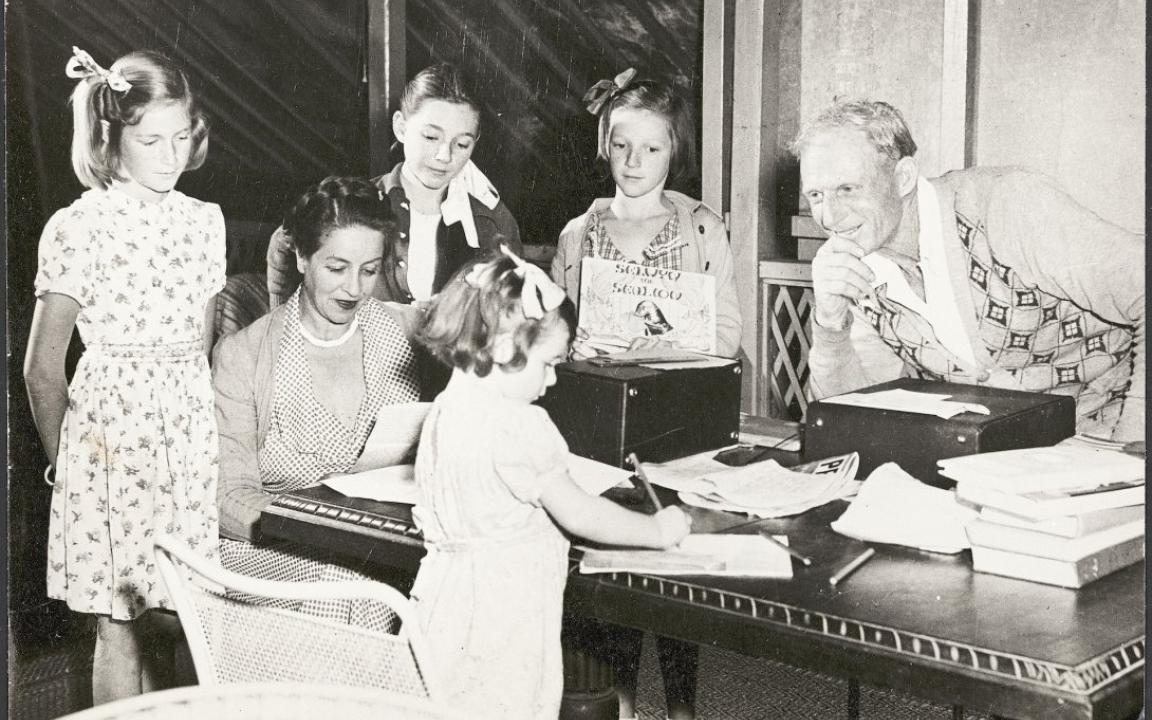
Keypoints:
pixel 447 211
pixel 133 265
pixel 646 135
pixel 493 471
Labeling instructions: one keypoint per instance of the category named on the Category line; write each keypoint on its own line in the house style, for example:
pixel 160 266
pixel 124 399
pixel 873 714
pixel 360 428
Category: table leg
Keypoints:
pixel 589 687
pixel 853 699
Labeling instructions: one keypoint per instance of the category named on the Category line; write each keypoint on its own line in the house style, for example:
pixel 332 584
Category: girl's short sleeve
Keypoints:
pixel 530 455
pixel 65 258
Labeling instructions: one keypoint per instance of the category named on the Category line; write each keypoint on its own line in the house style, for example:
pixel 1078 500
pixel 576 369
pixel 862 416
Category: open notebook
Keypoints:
pixel 700 554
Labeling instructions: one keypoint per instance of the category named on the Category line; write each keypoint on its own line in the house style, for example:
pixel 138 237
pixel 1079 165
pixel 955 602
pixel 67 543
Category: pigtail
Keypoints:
pixel 89 133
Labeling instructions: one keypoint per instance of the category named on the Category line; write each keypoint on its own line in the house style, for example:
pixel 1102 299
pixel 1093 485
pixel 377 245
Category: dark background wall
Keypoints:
pixel 284 85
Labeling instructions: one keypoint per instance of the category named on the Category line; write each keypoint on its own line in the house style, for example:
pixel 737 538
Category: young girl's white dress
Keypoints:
pixel 138 445
pixel 489 593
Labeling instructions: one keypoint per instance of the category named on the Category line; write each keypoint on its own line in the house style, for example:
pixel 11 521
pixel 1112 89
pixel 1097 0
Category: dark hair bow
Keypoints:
pixel 605 90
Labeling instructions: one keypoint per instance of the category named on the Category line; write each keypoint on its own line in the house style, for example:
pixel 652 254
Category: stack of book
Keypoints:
pixel 1058 515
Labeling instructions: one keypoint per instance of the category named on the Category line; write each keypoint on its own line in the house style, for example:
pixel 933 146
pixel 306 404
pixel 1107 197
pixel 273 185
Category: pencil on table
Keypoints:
pixel 851 567
pixel 644 481
pixel 802 558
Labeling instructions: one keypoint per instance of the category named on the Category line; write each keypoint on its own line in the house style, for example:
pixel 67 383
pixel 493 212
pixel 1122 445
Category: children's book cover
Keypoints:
pixel 620 301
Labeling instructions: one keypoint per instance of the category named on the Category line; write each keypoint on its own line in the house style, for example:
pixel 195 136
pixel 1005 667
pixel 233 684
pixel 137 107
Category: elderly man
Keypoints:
pixel 984 276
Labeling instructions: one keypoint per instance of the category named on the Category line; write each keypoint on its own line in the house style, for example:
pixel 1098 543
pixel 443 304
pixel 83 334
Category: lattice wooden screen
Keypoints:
pixel 786 294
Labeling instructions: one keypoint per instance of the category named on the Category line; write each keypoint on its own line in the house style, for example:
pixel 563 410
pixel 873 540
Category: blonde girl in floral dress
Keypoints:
pixel 133 265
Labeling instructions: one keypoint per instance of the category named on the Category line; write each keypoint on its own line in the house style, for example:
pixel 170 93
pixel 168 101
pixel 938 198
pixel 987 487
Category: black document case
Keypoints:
pixel 916 442
pixel 605 413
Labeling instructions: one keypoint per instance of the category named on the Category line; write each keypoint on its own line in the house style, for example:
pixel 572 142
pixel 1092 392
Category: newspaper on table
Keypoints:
pixel 762 489
pixel 620 301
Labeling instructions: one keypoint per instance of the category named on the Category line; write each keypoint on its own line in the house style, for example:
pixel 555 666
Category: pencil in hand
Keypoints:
pixel 643 477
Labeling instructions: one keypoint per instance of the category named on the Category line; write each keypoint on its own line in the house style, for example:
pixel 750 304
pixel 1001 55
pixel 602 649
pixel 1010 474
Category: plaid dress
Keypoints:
pixel 666 251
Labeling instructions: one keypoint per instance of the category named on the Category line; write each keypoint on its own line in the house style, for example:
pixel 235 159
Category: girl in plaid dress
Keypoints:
pixel 133 265
pixel 646 136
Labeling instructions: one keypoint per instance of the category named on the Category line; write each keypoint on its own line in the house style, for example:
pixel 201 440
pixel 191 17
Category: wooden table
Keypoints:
pixel 917 622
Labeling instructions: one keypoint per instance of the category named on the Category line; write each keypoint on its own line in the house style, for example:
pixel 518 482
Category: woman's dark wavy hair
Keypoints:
pixel 663 100
pixel 99 114
pixel 465 318
pixel 338 202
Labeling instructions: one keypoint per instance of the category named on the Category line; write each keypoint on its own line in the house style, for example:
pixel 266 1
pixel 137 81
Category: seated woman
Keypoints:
pixel 298 390
pixel 447 211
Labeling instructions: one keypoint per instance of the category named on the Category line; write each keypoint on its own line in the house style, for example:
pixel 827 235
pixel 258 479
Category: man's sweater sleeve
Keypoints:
pixel 843 360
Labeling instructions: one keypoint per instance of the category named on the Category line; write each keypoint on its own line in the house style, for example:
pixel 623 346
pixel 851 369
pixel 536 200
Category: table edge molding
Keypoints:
pixel 1082 679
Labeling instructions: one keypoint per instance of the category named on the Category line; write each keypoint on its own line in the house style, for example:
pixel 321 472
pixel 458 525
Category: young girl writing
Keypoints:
pixel 446 210
pixel 646 136
pixel 493 470
pixel 133 264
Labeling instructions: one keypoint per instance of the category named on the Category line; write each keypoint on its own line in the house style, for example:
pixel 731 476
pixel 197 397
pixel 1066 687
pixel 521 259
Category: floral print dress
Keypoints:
pixel 138 448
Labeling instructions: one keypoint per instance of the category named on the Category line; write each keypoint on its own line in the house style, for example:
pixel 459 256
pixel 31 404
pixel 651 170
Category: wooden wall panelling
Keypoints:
pixel 712 117
pixel 1062 90
pixel 755 112
pixel 387 75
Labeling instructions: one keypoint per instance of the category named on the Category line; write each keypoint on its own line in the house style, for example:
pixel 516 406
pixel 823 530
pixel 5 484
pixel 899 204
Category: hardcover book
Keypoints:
pixel 982 533
pixel 1066 573
pixel 1044 505
pixel 620 301
pixel 1069 526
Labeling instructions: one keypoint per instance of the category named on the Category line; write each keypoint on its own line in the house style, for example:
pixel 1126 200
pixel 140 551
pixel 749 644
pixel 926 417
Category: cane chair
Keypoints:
pixel 235 637
pixel 266 701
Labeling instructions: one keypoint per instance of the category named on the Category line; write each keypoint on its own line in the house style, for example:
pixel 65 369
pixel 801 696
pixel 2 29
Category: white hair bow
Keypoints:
pixel 540 294
pixel 82 66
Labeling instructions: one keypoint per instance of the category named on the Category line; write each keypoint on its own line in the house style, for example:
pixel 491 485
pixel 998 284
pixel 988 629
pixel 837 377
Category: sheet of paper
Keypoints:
pixel 909 401
pixel 761 489
pixel 387 484
pixel 683 473
pixel 894 507
pixel 595 477
pixel 394 435
pixel 699 554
